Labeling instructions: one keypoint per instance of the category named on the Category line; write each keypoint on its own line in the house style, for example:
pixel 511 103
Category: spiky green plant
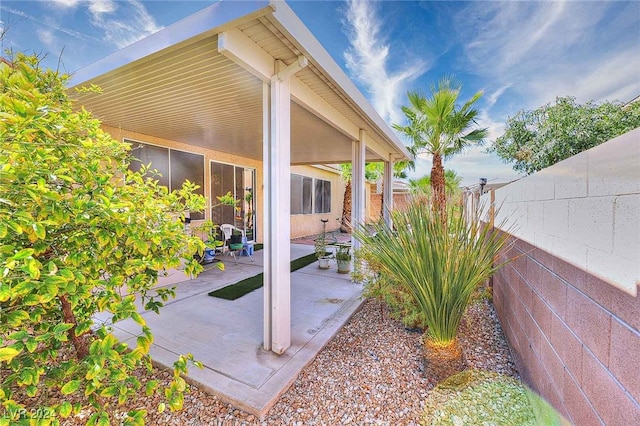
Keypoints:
pixel 440 265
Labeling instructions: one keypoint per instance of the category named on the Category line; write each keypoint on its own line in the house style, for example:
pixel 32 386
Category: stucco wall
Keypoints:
pixel 301 225
pixel 309 224
pixel 568 303
pixel 209 155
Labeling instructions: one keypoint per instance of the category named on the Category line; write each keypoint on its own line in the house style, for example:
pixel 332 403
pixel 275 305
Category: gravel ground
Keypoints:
pixel 370 373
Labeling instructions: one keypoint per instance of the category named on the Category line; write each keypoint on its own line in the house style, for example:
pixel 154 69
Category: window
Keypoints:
pixel 173 165
pixel 323 196
pixel 302 195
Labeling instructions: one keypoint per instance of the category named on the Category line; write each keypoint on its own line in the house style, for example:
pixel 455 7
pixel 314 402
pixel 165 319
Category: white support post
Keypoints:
pixel 277 209
pixel 387 180
pixel 357 185
pixel 278 166
pixel 266 211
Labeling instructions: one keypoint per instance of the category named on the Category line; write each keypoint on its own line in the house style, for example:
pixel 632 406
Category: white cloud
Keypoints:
pixel 101 6
pixel 493 97
pixel 46 37
pixel 611 77
pixel 120 22
pixel 131 24
pixel 548 49
pixel 65 4
pixel 368 61
pixel 494 128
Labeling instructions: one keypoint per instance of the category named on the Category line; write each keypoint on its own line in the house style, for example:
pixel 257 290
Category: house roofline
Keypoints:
pixel 291 24
pixel 209 20
pixel 226 14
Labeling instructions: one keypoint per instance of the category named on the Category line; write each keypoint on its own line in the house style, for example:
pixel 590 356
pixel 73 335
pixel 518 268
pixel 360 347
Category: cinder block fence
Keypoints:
pixel 569 302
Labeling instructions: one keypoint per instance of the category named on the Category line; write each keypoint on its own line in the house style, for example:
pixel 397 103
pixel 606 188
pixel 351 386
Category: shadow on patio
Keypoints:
pixel 226 336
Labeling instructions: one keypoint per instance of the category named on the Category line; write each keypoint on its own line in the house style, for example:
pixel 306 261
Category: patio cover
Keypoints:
pixel 247 78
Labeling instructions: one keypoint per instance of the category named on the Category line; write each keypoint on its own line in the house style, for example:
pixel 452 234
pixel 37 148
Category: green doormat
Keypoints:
pixel 239 289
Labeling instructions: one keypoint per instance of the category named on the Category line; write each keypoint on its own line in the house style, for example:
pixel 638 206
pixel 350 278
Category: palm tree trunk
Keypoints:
pixel 438 188
pixel 442 361
pixel 382 201
pixel 345 225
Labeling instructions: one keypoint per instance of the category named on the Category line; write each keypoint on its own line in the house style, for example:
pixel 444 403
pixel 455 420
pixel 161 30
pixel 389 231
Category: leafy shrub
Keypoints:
pixel 79 234
pixel 402 306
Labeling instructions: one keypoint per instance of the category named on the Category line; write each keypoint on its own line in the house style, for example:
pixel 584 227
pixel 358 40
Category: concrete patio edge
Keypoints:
pixel 258 401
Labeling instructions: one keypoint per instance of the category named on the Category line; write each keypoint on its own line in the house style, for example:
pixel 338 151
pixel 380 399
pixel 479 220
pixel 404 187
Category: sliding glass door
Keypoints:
pixel 240 183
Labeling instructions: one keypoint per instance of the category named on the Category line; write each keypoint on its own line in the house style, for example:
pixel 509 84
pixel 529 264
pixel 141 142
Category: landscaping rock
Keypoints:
pixel 370 373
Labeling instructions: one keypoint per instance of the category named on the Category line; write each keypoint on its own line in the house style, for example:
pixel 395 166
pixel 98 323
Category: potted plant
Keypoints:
pixel 321 253
pixel 212 242
pixel 343 258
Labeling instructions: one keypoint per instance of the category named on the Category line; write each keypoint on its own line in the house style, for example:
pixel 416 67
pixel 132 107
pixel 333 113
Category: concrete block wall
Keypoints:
pixel 569 302
pixel 585 210
pixel 575 338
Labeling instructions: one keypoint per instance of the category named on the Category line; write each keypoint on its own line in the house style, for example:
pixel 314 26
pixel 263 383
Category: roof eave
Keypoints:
pixel 289 23
pixel 207 21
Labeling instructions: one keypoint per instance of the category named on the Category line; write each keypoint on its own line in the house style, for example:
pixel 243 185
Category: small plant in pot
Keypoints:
pixel 321 253
pixel 343 258
pixel 210 234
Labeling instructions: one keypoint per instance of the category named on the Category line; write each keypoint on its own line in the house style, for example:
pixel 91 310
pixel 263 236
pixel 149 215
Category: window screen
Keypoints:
pixel 174 166
pixel 296 194
pixel 157 156
pixel 307 185
pixel 322 196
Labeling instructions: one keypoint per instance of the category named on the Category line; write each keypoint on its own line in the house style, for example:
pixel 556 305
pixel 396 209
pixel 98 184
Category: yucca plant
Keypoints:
pixel 441 266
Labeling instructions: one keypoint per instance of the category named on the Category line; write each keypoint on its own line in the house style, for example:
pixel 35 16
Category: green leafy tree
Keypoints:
pixel 437 125
pixel 540 138
pixel 80 234
pixel 422 185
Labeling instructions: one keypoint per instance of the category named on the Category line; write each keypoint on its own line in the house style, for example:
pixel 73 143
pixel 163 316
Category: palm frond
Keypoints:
pixel 441 266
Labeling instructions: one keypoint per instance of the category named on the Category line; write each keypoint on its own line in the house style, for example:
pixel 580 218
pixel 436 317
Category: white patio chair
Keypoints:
pixel 227 230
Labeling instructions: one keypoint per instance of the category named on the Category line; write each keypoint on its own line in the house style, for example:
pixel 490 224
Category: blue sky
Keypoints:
pixel 522 54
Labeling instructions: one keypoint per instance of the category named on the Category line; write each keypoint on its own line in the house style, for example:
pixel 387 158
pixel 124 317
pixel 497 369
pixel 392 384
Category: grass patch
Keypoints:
pixel 475 397
pixel 239 289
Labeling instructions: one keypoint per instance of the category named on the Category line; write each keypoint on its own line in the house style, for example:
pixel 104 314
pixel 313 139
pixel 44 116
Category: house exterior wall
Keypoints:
pixel 310 224
pixel 209 155
pixel 301 225
pixel 568 303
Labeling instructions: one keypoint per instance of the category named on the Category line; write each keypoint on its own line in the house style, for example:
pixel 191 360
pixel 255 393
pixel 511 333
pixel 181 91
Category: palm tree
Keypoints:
pixel 437 126
pixel 372 172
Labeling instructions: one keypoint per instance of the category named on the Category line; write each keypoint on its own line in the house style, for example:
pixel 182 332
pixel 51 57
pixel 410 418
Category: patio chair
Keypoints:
pixel 234 249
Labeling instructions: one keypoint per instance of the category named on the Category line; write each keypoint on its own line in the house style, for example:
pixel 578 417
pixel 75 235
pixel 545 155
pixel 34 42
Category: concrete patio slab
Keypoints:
pixel 226 336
